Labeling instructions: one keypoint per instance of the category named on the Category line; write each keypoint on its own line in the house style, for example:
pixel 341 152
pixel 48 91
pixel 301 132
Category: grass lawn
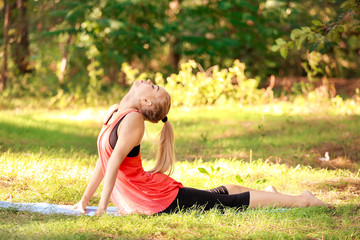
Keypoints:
pixel 48 156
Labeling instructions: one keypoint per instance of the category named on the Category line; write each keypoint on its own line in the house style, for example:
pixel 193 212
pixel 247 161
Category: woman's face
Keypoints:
pixel 154 101
pixel 146 89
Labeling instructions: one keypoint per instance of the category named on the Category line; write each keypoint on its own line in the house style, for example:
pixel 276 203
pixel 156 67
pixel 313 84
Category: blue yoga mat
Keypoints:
pixel 47 208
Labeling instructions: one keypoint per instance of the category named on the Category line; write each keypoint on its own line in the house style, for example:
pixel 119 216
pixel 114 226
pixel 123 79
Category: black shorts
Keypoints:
pixel 219 197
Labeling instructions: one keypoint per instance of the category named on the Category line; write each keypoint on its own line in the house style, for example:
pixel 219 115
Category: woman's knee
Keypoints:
pixel 236 189
pixel 232 188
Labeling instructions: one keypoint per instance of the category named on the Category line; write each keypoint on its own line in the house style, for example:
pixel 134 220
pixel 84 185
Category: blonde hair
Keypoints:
pixel 165 159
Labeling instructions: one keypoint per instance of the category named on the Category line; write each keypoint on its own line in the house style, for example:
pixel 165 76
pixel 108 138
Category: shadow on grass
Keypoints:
pixel 35 139
pixel 294 140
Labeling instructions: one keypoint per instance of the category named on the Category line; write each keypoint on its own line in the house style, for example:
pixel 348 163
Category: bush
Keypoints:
pixel 194 86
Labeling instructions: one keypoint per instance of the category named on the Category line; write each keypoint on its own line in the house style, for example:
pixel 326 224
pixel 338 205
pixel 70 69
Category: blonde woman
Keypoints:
pixel 134 190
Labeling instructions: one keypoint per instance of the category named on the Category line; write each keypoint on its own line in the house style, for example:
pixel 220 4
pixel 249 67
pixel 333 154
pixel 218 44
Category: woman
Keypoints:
pixel 134 190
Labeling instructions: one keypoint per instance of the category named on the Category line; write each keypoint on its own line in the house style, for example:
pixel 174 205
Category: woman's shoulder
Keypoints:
pixel 133 120
pixel 134 117
pixel 132 128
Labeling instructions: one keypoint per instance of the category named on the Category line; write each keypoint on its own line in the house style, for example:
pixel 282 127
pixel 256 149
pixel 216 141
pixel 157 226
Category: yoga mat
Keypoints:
pixel 47 208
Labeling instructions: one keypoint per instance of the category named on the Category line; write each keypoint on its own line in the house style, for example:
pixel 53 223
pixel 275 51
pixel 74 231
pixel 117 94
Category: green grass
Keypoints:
pixel 314 223
pixel 48 156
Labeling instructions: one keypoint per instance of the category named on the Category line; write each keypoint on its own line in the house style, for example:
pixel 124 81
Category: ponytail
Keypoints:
pixel 165 159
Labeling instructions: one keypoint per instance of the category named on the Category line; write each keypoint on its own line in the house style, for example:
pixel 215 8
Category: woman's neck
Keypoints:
pixel 127 103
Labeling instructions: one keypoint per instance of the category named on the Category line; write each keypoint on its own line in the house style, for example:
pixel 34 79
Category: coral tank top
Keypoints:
pixel 135 190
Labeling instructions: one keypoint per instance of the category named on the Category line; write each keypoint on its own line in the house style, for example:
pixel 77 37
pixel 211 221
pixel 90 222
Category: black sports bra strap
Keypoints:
pixel 114 137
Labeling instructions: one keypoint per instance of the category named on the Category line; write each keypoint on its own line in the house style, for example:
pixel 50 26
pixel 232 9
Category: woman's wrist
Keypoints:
pixel 85 200
pixel 102 206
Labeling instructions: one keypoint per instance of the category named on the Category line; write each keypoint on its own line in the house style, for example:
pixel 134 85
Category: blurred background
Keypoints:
pixel 203 51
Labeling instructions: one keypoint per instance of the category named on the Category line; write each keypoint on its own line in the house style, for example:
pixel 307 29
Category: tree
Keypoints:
pixel 332 41
pixel 6 40
pixel 21 44
pixel 174 57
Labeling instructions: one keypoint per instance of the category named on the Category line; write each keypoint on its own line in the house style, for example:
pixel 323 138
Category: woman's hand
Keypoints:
pixel 80 206
pixel 100 211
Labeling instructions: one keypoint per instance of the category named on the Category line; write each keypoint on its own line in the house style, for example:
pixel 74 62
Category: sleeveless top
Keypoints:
pixel 135 190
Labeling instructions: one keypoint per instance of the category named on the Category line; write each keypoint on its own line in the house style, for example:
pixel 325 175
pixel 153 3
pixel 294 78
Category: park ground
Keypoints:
pixel 48 156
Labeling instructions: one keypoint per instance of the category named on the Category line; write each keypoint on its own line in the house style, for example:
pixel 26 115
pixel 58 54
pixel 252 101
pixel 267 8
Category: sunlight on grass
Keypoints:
pixel 96 115
pixel 52 174
pixel 36 168
pixel 48 156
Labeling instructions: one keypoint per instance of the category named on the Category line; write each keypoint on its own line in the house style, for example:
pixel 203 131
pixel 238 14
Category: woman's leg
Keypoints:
pixel 264 199
pixel 190 197
pixel 271 197
pixel 236 189
pixel 187 198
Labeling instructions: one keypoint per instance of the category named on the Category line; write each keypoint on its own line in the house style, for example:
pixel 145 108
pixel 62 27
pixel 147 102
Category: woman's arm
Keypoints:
pixel 94 183
pixel 130 134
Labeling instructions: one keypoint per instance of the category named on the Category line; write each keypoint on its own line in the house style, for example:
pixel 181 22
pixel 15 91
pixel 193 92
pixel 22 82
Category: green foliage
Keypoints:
pixel 98 36
pixel 239 180
pixel 194 86
pixel 331 43
pixel 281 46
pixel 219 32
pixel 102 40
pixel 213 170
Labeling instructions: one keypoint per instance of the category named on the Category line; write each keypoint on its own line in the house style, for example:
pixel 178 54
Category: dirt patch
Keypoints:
pixel 338 156
pixel 9 185
pixel 7 182
pixel 349 185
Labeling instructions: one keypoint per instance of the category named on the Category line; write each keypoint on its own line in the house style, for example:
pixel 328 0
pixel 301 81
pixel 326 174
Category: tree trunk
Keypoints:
pixel 174 54
pixel 6 40
pixel 64 60
pixel 22 51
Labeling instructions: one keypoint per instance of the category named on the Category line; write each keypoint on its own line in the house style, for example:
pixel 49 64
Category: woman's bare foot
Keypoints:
pixel 312 201
pixel 270 189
